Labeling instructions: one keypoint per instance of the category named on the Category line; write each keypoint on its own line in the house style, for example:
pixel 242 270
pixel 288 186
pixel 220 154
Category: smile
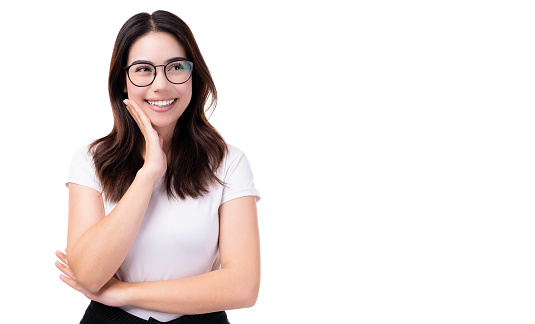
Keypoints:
pixel 162 103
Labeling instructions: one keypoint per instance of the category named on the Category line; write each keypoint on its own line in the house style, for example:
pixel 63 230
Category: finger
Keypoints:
pixel 133 112
pixel 71 282
pixel 133 109
pixel 140 114
pixel 66 270
pixel 62 256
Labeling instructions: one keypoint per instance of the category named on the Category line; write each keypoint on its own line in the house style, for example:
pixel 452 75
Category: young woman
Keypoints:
pixel 162 212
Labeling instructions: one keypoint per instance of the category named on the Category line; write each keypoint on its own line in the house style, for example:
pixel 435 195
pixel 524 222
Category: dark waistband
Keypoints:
pixel 98 313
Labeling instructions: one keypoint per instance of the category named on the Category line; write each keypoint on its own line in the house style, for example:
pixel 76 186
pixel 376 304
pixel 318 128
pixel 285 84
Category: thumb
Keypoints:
pixel 160 138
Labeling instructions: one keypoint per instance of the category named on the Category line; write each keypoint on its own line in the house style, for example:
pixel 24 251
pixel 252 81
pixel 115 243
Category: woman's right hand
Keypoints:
pixel 155 159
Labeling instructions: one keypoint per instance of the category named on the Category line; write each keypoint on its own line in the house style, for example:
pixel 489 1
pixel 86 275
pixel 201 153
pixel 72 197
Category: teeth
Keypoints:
pixel 161 103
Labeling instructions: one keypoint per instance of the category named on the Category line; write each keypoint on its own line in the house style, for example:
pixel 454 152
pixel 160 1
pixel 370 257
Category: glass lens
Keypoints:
pixel 178 71
pixel 141 74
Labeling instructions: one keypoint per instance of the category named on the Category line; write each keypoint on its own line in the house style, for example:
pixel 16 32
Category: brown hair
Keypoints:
pixel 197 149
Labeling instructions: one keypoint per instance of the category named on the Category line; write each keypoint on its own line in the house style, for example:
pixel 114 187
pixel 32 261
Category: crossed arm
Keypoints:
pixel 233 286
pixel 98 244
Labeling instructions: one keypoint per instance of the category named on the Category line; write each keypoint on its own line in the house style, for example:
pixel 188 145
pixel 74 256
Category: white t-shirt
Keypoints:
pixel 178 238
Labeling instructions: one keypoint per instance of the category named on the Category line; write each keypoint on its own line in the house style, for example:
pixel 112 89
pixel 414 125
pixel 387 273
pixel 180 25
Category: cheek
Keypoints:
pixel 186 92
pixel 135 93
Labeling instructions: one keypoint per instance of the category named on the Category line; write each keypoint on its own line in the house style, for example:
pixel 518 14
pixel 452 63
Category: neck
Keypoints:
pixel 166 134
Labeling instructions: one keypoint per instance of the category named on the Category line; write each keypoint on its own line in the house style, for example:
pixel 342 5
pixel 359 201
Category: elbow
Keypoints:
pixel 250 294
pixel 242 291
pixel 86 279
pixel 250 301
pixel 90 285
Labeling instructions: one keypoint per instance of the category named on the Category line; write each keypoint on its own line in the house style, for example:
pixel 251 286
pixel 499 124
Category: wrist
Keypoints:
pixel 146 174
pixel 126 293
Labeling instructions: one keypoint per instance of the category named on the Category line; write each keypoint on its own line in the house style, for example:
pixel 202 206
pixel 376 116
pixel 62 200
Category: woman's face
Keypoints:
pixel 162 101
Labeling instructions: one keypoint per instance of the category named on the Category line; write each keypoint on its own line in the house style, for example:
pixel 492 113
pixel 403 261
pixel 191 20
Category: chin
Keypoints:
pixel 163 123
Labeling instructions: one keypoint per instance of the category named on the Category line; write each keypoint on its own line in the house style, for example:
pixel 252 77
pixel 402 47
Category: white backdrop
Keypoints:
pixel 392 143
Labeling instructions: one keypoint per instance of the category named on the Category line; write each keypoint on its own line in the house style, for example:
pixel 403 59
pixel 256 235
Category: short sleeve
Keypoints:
pixel 238 177
pixel 82 170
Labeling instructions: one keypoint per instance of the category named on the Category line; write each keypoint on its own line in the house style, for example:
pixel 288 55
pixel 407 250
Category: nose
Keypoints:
pixel 160 81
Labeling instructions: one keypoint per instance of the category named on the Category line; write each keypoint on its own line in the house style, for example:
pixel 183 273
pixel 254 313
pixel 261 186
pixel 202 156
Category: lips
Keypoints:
pixel 161 103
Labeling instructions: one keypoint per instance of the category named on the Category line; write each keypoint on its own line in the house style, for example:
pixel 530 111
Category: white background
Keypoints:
pixel 392 143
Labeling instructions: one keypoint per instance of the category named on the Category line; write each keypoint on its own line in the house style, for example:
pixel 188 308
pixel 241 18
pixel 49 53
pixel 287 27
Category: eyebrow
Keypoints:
pixel 178 58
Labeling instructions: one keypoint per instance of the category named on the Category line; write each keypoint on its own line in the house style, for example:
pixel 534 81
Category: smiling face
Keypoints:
pixel 162 101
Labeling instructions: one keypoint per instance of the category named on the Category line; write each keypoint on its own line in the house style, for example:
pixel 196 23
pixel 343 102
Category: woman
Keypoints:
pixel 162 213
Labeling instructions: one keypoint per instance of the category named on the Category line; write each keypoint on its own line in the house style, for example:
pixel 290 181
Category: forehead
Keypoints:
pixel 156 47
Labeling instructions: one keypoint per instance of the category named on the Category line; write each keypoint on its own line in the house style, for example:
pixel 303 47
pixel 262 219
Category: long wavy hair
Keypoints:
pixel 197 149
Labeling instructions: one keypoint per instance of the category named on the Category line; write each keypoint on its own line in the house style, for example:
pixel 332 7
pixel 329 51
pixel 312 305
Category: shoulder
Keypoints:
pixel 233 156
pixel 83 153
pixel 237 176
pixel 82 170
pixel 233 152
pixel 235 159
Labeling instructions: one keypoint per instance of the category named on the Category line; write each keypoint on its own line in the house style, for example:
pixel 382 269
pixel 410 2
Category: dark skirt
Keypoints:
pixel 98 313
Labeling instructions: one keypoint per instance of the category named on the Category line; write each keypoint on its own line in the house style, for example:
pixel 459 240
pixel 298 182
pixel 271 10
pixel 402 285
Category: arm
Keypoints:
pixel 97 245
pixel 233 286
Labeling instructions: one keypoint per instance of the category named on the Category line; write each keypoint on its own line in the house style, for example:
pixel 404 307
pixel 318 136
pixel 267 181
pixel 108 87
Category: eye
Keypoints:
pixel 142 68
pixel 175 66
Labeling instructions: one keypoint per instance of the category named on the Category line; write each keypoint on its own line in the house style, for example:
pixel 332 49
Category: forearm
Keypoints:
pixel 98 253
pixel 218 290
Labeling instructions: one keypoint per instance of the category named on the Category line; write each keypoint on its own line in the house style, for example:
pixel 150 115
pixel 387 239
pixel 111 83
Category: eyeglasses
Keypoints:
pixel 143 74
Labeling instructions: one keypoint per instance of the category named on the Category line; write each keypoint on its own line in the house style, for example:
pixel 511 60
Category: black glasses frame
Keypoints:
pixel 127 68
